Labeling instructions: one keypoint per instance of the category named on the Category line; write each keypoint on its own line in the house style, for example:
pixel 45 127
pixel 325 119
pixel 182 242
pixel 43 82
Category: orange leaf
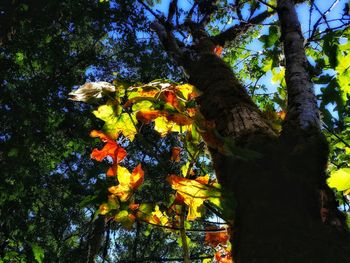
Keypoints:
pixel 175 154
pixel 127 182
pixel 179 119
pixel 111 148
pixel 170 97
pixel 194 193
pixel 137 177
pixel 134 207
pixel 216 238
pixel 281 114
pixel 191 111
pixel 112 171
pixel 104 209
pixel 218 50
pixel 147 116
pixel 203 179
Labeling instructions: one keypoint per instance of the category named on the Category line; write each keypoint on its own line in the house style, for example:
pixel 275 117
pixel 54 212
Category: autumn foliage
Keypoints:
pixel 168 107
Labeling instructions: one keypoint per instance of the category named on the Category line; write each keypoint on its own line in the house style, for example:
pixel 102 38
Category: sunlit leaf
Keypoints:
pixel 147 116
pixel 158 217
pixel 111 148
pixel 163 126
pixel 126 219
pixel 340 179
pixel 112 204
pixel 116 123
pixel 193 192
pixel 128 183
pixel 216 238
pixel 175 154
pixel 179 119
pixel 91 91
pixel 38 253
pixel 187 91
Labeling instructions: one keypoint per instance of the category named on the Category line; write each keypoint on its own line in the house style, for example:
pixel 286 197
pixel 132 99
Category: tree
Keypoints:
pixel 285 211
pixel 288 194
pixel 49 190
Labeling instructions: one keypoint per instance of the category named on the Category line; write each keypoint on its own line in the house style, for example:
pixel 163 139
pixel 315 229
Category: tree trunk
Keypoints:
pixel 281 193
pixel 277 217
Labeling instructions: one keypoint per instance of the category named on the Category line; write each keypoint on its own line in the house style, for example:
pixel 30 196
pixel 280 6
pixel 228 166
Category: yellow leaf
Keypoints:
pixel 127 182
pixel 187 91
pixel 278 76
pixel 158 217
pixel 163 126
pixel 107 114
pixel 194 193
pixel 340 179
pixel 116 122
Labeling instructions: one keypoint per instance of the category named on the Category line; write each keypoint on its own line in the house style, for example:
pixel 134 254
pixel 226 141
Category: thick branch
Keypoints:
pixel 302 105
pixel 172 10
pixel 235 31
pixel 168 40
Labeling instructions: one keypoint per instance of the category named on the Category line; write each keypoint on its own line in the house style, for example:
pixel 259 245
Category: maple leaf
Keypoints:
pixel 126 219
pixel 187 91
pixel 128 183
pixel 158 217
pixel 116 122
pixel 170 97
pixel 216 238
pixel 179 119
pixel 175 154
pixel 194 193
pixel 91 91
pixel 218 50
pixel 163 126
pixel 111 148
pixel 147 116
pixel 112 204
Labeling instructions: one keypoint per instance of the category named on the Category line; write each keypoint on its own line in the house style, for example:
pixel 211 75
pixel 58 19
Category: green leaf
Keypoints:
pixel 19 57
pixel 13 152
pixel 330 47
pixel 340 179
pixel 270 39
pixel 125 219
pixel 38 253
pixel 115 122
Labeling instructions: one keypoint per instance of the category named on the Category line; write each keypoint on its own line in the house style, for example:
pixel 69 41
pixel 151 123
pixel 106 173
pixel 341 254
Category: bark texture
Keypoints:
pixel 302 105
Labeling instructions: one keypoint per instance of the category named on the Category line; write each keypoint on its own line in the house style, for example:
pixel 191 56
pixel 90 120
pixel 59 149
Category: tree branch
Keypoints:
pixel 186 252
pixel 235 31
pixel 159 18
pixel 168 40
pixel 302 109
pixel 172 10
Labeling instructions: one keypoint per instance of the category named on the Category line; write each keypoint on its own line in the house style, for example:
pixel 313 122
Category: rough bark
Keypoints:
pixel 302 105
pixel 278 194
